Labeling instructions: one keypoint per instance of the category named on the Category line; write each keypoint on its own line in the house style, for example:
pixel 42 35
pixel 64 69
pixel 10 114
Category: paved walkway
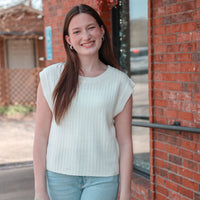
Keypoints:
pixel 16 171
pixel 16 138
pixel 17 183
pixel 16 141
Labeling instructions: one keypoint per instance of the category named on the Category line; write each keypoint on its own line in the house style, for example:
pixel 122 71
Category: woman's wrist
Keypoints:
pixel 125 196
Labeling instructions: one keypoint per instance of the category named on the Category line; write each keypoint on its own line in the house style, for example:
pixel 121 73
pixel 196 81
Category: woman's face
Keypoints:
pixel 85 35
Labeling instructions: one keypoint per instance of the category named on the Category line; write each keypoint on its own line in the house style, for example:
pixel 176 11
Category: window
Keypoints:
pixel 139 73
pixel 130 43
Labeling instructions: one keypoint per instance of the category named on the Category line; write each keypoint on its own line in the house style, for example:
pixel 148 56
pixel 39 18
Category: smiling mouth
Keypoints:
pixel 89 44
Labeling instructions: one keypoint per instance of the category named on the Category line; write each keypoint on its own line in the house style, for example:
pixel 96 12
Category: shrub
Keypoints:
pixel 14 109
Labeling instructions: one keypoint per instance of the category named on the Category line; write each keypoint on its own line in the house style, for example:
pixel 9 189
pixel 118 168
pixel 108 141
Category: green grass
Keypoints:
pixel 16 109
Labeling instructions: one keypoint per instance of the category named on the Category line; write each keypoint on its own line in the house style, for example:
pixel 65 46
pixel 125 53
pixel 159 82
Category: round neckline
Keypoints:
pixel 88 78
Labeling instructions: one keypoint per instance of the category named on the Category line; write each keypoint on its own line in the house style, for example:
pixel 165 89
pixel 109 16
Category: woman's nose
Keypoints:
pixel 86 35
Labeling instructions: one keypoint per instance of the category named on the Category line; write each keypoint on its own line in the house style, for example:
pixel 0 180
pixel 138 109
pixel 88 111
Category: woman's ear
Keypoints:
pixel 67 38
pixel 102 30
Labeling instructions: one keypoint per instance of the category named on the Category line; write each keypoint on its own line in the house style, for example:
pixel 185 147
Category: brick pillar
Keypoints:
pixel 174 85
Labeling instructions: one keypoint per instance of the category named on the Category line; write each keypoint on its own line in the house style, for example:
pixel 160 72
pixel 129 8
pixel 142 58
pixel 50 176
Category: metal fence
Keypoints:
pixel 19 86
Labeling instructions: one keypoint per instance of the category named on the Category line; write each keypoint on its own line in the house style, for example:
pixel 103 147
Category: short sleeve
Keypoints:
pixel 46 87
pixel 125 90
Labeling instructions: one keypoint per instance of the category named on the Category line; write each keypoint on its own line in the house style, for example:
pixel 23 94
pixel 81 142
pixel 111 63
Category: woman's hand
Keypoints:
pixel 43 196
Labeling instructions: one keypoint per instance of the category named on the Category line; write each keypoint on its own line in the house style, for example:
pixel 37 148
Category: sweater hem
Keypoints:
pixel 68 172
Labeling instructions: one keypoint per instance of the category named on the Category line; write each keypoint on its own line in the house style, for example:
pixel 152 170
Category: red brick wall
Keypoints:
pixel 174 47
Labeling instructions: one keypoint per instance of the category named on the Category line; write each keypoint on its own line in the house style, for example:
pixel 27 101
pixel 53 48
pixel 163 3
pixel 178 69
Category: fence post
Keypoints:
pixel 3 84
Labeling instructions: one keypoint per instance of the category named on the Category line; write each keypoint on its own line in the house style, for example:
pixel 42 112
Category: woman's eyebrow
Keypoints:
pixel 75 28
pixel 91 24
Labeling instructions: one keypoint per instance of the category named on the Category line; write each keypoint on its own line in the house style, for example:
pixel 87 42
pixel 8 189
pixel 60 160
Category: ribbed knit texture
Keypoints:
pixel 85 143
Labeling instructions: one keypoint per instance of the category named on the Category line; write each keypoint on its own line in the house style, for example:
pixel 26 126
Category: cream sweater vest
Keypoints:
pixel 85 144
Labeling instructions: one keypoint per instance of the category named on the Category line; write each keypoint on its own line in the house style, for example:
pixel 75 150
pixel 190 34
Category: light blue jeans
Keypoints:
pixel 67 187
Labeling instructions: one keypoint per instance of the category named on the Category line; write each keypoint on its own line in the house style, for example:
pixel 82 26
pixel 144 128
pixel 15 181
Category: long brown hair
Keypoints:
pixel 67 85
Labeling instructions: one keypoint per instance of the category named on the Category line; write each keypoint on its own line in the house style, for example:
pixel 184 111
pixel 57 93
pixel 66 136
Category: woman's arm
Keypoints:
pixel 124 137
pixel 42 128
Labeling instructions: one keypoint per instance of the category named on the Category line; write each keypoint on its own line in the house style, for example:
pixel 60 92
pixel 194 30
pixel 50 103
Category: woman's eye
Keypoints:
pixel 76 32
pixel 91 27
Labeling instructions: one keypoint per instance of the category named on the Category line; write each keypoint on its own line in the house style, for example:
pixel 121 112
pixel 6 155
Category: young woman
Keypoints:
pixel 83 143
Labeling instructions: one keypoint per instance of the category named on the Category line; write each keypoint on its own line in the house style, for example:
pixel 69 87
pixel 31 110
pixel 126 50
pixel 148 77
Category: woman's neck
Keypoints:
pixel 92 67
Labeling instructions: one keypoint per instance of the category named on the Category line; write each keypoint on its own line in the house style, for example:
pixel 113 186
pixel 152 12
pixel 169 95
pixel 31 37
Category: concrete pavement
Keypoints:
pixel 17 183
